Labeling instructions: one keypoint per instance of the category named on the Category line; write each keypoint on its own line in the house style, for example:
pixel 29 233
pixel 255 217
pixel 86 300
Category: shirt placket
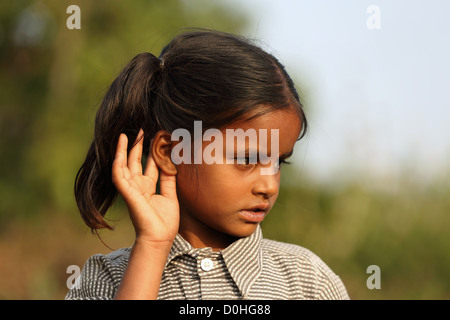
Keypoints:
pixel 207 265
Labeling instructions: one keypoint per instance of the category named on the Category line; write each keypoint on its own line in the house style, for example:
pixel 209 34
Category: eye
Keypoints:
pixel 245 162
pixel 282 161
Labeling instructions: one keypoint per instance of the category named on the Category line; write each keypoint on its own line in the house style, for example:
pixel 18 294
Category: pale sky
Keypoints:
pixel 378 100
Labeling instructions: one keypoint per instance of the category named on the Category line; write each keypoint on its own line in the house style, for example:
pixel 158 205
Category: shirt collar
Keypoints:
pixel 179 247
pixel 243 258
pixel 244 261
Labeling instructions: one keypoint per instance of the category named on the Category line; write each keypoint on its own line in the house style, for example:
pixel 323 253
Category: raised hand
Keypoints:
pixel 155 217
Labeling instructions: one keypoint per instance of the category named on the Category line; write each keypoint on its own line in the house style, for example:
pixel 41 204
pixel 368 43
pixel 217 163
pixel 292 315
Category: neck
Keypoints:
pixel 201 236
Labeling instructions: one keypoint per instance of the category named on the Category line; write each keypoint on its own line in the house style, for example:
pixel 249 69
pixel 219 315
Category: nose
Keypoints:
pixel 267 185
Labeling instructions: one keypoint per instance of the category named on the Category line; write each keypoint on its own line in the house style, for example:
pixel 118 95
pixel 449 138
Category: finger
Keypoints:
pixel 168 185
pixel 120 160
pixel 151 169
pixel 135 156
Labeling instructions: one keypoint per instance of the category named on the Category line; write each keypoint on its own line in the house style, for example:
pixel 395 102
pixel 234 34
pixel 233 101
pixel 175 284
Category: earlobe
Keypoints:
pixel 161 150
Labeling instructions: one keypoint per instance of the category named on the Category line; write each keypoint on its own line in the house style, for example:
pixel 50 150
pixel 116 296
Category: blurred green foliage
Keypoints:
pixel 403 230
pixel 52 80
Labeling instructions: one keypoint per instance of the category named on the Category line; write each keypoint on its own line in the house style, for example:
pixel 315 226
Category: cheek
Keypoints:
pixel 200 177
pixel 207 184
pixel 216 179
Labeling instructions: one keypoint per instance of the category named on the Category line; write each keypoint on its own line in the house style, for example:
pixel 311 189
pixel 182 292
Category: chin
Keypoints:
pixel 243 231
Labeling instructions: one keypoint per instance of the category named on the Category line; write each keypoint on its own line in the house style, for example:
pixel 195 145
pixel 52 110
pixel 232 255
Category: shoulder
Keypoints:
pixel 287 249
pixel 100 276
pixel 116 258
pixel 111 264
pixel 295 255
pixel 305 265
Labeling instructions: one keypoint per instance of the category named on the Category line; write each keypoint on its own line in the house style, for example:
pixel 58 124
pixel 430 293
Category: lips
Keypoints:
pixel 256 213
pixel 259 207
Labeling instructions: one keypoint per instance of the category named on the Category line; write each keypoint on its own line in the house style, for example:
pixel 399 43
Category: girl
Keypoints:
pixel 198 237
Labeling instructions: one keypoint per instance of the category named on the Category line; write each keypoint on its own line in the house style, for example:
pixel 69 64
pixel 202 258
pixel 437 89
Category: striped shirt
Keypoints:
pixel 250 268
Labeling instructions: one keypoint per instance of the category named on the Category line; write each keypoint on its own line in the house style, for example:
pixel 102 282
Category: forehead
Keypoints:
pixel 286 121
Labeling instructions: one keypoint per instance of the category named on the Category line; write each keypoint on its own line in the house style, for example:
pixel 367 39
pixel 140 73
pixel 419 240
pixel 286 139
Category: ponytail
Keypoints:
pixel 126 108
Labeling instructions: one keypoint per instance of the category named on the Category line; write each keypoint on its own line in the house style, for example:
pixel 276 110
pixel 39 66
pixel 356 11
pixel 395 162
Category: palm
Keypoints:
pixel 154 216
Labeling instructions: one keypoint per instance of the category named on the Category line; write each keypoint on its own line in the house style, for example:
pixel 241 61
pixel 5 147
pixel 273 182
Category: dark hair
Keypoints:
pixel 202 75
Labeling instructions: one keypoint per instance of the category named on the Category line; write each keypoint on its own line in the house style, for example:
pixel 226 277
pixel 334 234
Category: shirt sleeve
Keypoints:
pixel 333 289
pixel 100 277
pixel 329 285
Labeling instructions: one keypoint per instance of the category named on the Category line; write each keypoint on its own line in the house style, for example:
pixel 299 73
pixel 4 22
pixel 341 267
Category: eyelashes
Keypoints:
pixel 245 161
pixel 283 161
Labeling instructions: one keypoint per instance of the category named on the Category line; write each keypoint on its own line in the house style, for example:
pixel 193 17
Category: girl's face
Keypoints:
pixel 220 202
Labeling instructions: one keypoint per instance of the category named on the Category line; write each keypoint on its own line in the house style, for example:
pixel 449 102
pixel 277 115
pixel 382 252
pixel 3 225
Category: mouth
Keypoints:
pixel 255 214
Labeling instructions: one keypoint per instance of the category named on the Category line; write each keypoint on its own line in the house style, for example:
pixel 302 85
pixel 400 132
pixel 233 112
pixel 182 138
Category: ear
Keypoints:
pixel 161 150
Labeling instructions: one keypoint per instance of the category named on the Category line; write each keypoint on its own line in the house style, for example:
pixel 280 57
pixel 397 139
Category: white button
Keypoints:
pixel 206 264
